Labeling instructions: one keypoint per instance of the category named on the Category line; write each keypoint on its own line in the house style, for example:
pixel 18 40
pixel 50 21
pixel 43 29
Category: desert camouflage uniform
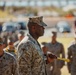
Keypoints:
pixel 57 49
pixel 72 56
pixel 8 65
pixel 30 57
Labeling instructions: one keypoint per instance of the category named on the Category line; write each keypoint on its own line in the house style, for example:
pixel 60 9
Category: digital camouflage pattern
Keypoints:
pixel 72 56
pixel 30 57
pixel 54 67
pixel 37 20
pixel 8 65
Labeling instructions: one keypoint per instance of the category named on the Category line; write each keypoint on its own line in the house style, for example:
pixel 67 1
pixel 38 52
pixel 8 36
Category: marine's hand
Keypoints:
pixel 51 57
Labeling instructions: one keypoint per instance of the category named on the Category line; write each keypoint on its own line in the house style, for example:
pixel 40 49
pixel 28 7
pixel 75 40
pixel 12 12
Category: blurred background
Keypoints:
pixel 59 15
pixel 52 10
pixel 48 8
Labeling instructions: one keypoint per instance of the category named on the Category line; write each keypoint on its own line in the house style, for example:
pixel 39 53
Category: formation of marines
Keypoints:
pixel 56 48
pixel 8 63
pixel 25 56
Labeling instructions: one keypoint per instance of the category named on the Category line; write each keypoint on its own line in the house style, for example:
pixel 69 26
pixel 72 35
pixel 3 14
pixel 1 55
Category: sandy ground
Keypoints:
pixel 65 71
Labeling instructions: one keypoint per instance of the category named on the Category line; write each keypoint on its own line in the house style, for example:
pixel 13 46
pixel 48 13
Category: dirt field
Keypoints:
pixel 64 71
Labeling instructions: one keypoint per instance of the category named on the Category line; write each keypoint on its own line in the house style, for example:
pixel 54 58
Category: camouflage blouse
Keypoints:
pixel 30 57
pixel 8 65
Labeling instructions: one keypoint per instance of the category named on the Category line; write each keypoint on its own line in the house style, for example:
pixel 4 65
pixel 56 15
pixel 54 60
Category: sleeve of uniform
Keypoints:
pixel 14 67
pixel 28 57
pixel 62 63
pixel 69 54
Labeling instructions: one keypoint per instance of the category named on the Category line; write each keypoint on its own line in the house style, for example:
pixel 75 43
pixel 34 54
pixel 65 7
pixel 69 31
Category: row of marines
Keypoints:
pixel 27 57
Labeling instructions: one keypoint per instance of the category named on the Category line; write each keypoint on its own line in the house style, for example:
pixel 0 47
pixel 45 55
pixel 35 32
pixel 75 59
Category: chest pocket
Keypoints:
pixel 39 50
pixel 55 49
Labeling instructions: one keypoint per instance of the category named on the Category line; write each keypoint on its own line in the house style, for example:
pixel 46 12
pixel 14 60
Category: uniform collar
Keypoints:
pixel 32 39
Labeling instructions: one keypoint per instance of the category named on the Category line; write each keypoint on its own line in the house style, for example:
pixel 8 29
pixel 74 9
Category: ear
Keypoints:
pixel 33 28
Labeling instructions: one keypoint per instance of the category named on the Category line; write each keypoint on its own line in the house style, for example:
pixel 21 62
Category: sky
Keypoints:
pixel 38 3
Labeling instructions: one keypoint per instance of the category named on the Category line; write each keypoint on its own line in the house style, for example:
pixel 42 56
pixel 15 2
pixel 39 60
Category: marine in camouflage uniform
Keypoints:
pixel 30 56
pixel 72 56
pixel 8 64
pixel 56 48
pixel 10 47
pixel 20 37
